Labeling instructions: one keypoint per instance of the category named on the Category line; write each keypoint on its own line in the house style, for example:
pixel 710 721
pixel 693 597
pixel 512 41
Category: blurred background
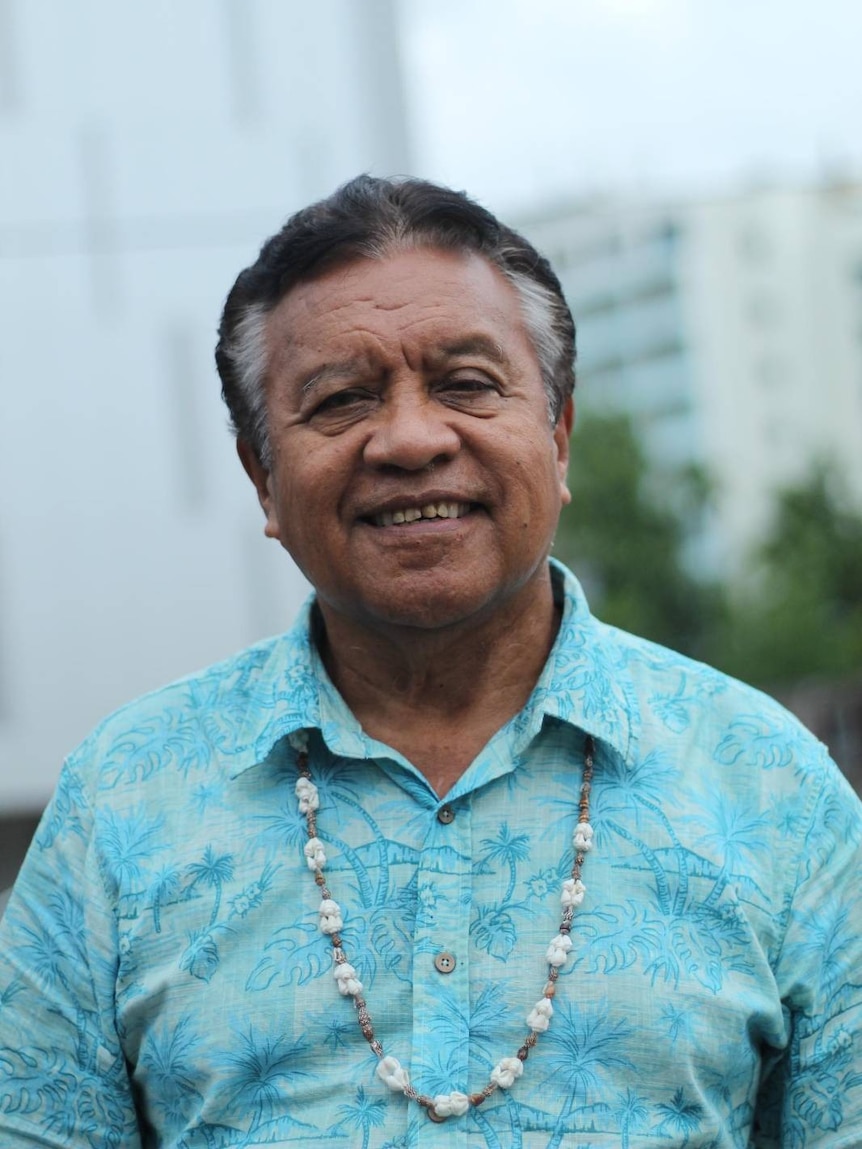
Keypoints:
pixel 694 172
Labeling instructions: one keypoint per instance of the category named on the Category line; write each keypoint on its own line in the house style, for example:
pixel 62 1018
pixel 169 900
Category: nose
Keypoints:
pixel 411 431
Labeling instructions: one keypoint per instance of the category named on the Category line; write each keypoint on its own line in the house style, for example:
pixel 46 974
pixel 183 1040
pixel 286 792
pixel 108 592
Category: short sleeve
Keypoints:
pixel 63 1080
pixel 813 1095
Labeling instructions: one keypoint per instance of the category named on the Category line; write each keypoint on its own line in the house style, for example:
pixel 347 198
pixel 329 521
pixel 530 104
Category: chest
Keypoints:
pixel 227 980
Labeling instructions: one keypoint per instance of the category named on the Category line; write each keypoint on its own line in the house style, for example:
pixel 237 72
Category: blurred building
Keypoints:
pixel 731 329
pixel 147 151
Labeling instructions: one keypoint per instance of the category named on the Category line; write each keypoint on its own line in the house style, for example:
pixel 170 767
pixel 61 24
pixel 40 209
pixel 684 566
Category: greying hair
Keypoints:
pixel 371 218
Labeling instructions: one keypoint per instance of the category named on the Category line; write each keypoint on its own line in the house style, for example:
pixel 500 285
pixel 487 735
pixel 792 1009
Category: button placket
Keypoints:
pixel 441 961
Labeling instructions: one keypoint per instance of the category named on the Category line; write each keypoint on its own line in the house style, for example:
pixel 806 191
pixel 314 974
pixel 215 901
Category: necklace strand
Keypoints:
pixel 508 1069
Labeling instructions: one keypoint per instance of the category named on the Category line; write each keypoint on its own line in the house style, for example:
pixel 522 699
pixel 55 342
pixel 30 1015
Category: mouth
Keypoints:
pixel 405 516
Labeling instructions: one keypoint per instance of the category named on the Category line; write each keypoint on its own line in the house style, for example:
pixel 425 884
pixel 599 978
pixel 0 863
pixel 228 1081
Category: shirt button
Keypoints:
pixel 445 962
pixel 446 814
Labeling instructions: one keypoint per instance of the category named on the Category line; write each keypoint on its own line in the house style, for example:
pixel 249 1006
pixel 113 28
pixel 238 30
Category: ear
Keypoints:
pixel 562 431
pixel 261 478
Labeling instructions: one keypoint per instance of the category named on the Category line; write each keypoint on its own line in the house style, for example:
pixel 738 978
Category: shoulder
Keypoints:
pixel 735 738
pixel 204 719
pixel 674 690
pixel 671 705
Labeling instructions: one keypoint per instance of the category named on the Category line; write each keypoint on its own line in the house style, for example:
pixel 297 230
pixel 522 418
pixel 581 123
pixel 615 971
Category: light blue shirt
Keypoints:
pixel 164 981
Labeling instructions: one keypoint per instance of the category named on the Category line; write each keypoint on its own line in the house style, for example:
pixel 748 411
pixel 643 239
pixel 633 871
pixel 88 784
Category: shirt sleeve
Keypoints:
pixel 813 1095
pixel 63 1080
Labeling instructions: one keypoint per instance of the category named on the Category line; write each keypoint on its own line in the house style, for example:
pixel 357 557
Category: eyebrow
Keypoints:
pixel 341 369
pixel 473 345
pixel 357 366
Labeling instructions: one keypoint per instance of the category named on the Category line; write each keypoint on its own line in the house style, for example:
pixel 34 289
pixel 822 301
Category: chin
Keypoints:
pixel 429 608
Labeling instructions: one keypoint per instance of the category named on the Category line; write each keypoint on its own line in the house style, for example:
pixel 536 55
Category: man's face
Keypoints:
pixel 415 478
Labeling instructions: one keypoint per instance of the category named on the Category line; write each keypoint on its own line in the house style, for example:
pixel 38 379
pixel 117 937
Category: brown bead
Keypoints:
pixel 523 1053
pixel 477 1098
pixel 549 990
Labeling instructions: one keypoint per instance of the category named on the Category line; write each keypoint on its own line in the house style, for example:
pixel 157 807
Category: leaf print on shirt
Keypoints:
pixel 674 709
pixel 703 946
pixel 493 930
pixel 287 957
pixel 169 740
pixel 65 810
pixel 818 1095
pixel 757 741
pixel 64 1100
pixel 201 956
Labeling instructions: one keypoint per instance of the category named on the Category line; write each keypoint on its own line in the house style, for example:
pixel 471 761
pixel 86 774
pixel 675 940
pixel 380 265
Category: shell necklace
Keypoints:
pixel 508 1069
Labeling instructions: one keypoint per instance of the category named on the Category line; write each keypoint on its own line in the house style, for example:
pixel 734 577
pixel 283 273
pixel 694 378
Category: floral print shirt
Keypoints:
pixel 164 981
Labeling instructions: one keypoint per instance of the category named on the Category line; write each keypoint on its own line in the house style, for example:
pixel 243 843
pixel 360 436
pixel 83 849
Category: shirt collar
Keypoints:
pixel 585 683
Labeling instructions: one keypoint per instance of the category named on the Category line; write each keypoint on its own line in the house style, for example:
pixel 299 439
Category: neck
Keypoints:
pixel 438 695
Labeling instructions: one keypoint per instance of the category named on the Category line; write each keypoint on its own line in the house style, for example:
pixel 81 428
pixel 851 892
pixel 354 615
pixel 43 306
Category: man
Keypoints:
pixel 450 863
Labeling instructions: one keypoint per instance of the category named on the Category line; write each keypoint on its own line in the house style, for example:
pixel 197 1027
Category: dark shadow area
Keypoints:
pixel 16 833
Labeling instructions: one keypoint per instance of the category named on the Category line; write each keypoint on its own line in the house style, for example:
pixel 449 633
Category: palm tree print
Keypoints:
pixel 258 1072
pixel 164 885
pixel 632 1113
pixel 213 871
pixel 169 1059
pixel 735 836
pixel 582 1045
pixel 364 1113
pixel 683 1116
pixel 509 849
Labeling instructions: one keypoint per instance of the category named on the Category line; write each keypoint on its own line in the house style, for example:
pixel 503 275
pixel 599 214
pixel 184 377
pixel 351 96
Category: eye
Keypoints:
pixel 342 402
pixel 473 390
pixel 470 383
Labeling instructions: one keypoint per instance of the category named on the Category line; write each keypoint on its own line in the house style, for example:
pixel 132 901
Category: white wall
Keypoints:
pixel 147 152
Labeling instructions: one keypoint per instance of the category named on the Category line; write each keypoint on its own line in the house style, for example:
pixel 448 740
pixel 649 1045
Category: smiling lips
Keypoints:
pixel 438 510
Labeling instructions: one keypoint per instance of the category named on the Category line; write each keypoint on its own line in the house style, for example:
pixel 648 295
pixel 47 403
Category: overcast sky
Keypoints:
pixel 525 100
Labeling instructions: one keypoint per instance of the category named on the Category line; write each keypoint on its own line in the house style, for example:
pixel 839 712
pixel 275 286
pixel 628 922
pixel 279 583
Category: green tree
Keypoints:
pixel 625 535
pixel 801 614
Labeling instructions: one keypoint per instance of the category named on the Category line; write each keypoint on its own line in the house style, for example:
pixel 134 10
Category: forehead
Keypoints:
pixel 417 294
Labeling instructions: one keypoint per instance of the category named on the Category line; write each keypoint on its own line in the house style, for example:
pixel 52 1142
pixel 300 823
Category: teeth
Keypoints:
pixel 441 510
